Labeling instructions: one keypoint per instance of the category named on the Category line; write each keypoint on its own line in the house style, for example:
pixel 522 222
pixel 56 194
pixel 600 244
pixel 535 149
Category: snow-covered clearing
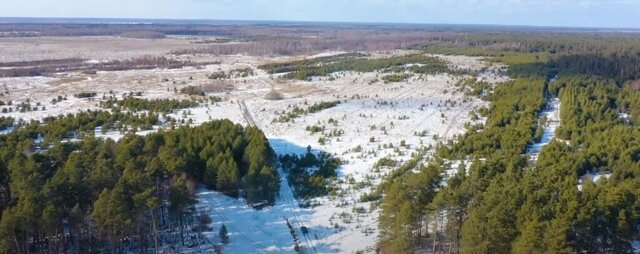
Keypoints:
pixel 375 120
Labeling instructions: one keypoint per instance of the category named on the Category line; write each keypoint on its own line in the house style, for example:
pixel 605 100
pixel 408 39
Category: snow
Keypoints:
pixel 250 230
pixel 6 130
pixel 357 117
pixel 265 231
pixel 552 114
pixel 390 113
pixel 455 166
pixel 594 177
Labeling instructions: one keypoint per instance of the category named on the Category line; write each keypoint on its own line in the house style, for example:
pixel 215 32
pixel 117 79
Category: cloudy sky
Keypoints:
pixel 575 13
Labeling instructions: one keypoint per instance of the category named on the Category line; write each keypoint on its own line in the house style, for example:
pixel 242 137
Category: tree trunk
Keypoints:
pixel 155 231
pixel 15 239
pixel 435 232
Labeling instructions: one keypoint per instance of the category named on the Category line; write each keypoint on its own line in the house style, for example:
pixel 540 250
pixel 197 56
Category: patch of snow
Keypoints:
pixel 6 130
pixel 593 177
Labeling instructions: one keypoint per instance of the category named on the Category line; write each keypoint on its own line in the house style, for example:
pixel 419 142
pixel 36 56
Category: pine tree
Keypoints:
pixel 223 234
pixel 228 175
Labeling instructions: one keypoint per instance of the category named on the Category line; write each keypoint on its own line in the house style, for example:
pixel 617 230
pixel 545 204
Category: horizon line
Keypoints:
pixel 51 20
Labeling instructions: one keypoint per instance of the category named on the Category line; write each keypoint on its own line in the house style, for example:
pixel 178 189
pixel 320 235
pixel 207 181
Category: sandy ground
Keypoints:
pixel 370 117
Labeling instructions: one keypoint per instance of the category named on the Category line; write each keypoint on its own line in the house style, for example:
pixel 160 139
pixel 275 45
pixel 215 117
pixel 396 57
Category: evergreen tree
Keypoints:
pixel 223 234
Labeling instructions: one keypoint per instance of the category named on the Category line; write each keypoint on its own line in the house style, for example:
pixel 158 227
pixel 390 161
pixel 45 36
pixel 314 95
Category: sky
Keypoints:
pixel 563 13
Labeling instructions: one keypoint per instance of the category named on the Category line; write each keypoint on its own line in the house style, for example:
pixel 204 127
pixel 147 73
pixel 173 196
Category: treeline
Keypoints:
pixel 272 40
pixel 324 66
pixel 98 195
pixel 612 56
pixel 536 42
pixel 134 104
pixel 620 67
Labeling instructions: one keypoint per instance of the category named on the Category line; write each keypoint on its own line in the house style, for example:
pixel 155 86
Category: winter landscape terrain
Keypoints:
pixel 371 115
pixel 316 138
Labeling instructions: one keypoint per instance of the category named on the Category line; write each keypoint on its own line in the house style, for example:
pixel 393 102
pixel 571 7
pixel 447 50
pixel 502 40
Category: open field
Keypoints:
pixel 373 120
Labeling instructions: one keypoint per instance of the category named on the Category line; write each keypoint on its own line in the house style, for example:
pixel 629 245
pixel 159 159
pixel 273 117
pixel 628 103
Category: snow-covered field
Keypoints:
pixel 373 119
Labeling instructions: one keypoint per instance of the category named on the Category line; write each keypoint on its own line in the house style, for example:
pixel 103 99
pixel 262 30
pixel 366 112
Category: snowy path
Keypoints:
pixel 245 113
pixel 552 115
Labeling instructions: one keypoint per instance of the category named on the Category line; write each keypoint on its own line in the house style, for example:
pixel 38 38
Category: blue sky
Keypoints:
pixel 579 13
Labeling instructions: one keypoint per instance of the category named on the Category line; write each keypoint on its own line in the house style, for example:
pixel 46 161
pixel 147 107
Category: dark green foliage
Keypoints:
pixel 324 66
pixel 157 105
pixel 310 173
pixel 6 122
pixel 511 123
pixel 84 124
pixel 384 162
pixel 620 67
pixel 85 95
pixel 192 90
pixel 399 216
pixel 314 129
pixel 316 107
pixel 237 73
pixel 392 78
pixel 111 186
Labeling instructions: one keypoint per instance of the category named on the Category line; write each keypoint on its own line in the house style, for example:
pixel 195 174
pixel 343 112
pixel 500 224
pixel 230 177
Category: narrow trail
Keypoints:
pixel 245 113
pixel 286 193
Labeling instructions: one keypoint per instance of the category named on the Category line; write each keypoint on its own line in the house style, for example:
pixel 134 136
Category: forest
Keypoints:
pixel 99 195
pixel 500 201
pixel 324 66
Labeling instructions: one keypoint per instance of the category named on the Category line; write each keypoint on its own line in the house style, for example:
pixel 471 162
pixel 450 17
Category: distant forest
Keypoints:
pixel 289 38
